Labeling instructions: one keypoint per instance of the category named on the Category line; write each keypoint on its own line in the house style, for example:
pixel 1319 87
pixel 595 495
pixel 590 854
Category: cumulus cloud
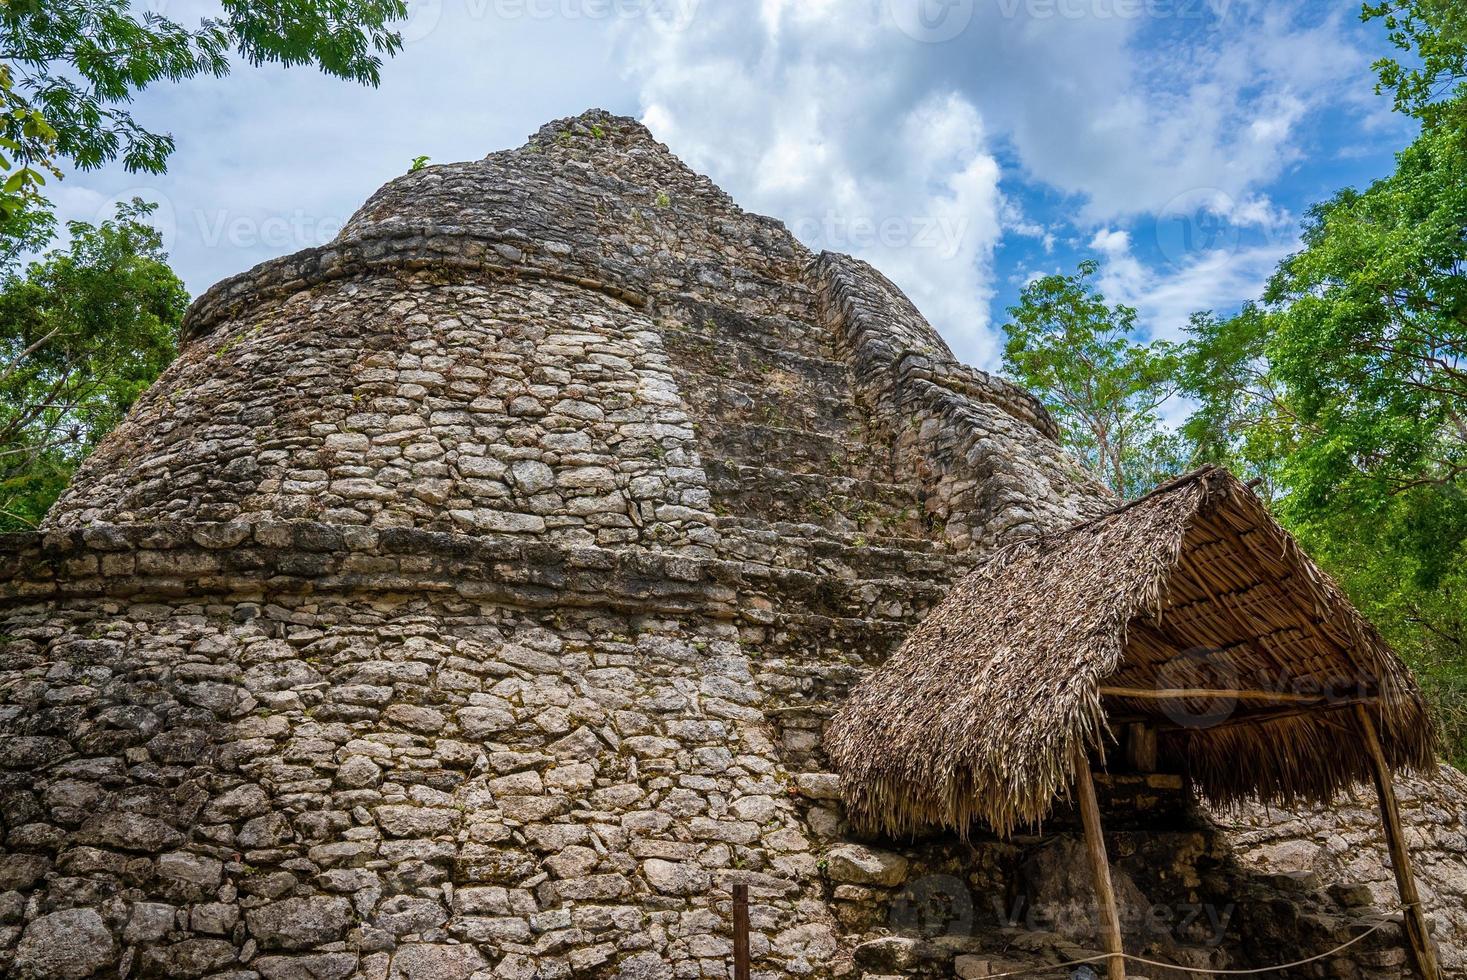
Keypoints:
pixel 1151 110
pixel 1166 297
pixel 837 117
pixel 809 112
pixel 922 135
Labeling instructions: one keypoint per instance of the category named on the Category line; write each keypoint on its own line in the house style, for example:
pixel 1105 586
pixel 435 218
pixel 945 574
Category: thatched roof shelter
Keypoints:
pixel 1142 615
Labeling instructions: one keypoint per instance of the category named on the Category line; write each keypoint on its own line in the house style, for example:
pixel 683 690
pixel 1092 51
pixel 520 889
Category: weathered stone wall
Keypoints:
pixel 418 400
pixel 320 787
pixel 469 595
pixel 469 598
pixel 986 451
pixel 1341 848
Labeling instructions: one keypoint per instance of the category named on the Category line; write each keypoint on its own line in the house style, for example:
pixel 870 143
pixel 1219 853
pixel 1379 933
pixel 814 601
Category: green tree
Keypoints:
pixel 1241 417
pixel 1432 84
pixel 1078 354
pixel 1369 334
pixel 83 331
pixel 1346 386
pixel 69 68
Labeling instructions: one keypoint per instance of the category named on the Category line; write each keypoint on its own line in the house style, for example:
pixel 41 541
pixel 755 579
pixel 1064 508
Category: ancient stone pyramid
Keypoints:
pixel 468 597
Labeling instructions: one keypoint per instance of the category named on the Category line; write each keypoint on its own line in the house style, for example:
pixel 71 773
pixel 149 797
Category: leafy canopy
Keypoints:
pixel 83 331
pixel 69 68
pixel 1346 385
pixel 1078 354
pixel 1241 416
pixel 1433 33
pixel 1342 390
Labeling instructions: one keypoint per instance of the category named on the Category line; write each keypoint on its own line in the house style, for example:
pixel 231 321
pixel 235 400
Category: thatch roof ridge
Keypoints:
pixel 983 711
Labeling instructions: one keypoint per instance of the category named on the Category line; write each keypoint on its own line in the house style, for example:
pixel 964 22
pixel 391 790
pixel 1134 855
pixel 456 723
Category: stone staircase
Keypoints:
pixel 802 482
pixel 781 434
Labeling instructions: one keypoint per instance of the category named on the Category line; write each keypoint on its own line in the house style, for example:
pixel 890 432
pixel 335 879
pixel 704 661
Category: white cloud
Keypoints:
pixel 1048 131
pixel 1165 299
pixel 809 114
pixel 825 114
pixel 1015 222
pixel 1129 126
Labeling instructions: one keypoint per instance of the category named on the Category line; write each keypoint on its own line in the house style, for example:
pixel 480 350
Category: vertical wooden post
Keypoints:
pixel 741 931
pixel 1099 868
pixel 1417 937
pixel 1141 747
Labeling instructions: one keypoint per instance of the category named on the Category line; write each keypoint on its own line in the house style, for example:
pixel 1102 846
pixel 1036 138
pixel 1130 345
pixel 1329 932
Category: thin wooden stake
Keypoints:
pixel 1417 937
pixel 741 931
pixel 1099 868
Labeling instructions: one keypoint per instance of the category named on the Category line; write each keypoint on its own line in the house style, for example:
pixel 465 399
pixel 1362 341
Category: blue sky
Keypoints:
pixel 963 146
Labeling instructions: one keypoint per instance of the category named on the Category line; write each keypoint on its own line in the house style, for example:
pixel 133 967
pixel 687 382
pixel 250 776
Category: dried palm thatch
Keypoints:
pixel 981 713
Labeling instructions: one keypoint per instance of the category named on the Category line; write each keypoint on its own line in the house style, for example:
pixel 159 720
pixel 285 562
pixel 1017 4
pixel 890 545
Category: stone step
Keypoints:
pixel 779 399
pixel 716 355
pixel 798 451
pixel 971 957
pixel 820 539
pixel 772 334
pixel 898 599
pixel 809 647
pixel 973 966
pixel 844 504
pixel 819 549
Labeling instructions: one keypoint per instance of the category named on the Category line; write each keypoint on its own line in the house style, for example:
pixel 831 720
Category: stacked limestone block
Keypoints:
pixel 468 598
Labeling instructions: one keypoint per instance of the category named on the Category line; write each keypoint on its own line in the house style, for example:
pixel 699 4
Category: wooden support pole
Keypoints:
pixel 1417 937
pixel 1141 747
pixel 741 931
pixel 1105 896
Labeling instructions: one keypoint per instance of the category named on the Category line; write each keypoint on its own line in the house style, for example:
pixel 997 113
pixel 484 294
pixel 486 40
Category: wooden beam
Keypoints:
pixel 1210 693
pixel 1105 896
pixel 1419 940
pixel 741 931
pixel 1318 624
pixel 1165 726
